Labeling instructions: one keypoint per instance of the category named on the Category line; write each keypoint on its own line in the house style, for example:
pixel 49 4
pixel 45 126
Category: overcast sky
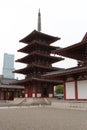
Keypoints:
pixel 66 19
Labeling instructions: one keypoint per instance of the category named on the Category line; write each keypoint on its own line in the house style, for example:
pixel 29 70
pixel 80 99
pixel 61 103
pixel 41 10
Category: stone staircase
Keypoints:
pixel 18 101
pixel 36 101
pixel 53 102
pixel 26 102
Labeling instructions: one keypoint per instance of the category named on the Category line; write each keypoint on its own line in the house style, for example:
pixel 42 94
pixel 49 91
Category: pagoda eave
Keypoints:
pixel 32 45
pixel 32 67
pixel 36 34
pixel 37 80
pixel 28 59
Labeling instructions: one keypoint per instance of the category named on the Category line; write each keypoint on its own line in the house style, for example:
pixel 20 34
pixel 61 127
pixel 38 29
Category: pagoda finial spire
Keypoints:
pixel 39 21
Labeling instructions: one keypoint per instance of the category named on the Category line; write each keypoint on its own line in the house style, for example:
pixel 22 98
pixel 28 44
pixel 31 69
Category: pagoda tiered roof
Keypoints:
pixel 35 35
pixel 76 51
pixel 37 55
pixel 35 43
pixel 39 59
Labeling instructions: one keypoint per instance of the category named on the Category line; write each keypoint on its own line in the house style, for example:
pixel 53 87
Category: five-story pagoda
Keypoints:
pixel 39 61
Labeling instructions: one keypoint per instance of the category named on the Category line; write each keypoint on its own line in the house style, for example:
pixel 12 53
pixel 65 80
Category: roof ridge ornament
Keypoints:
pixel 39 21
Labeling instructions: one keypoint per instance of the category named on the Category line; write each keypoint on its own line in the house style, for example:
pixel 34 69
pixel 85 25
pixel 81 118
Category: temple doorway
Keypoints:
pixel 10 95
pixel 45 92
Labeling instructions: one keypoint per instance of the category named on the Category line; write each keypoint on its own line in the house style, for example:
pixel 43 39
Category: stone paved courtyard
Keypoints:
pixel 42 118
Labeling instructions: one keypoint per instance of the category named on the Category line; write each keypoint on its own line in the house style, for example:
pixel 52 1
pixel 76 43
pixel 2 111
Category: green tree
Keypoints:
pixel 59 89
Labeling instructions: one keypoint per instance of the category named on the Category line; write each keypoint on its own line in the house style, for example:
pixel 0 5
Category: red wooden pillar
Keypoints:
pixel 35 91
pixel 15 91
pixel 6 95
pixel 26 92
pixel 64 90
pixel 76 90
pixel 53 92
pixel 0 93
pixel 41 91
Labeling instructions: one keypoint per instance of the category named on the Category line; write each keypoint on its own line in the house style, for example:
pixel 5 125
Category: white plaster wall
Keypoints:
pixel 33 95
pixel 50 95
pixel 38 94
pixel 82 89
pixel 70 90
pixel 70 78
pixel 26 95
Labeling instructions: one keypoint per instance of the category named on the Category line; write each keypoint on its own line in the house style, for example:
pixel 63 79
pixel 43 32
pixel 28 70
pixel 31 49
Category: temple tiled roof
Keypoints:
pixel 70 71
pixel 12 86
pixel 85 38
pixel 76 51
pixel 7 83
